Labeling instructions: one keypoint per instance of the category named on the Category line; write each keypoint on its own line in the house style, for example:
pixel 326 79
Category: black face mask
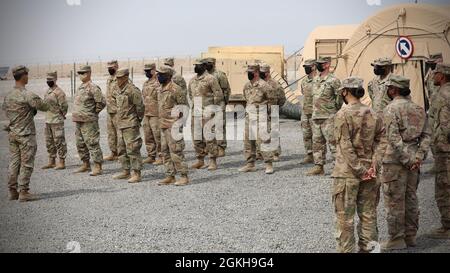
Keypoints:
pixel 262 75
pixel 148 74
pixel 308 70
pixel 251 76
pixel 209 67
pixel 320 67
pixel 379 71
pixel 50 84
pixel 163 78
pixel 429 66
pixel 199 69
pixel 111 71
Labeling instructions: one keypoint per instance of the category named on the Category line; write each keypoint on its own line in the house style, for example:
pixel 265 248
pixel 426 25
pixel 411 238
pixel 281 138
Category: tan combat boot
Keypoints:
pixel 309 159
pixel 316 171
pixel 440 233
pixel 397 244
pixel 221 152
pixel 167 181
pixel 51 164
pixel 259 157
pixel 183 181
pixel 276 158
pixel 125 174
pixel 411 241
pixel 13 195
pixel 269 168
pixel 136 177
pixel 250 167
pixel 158 161
pixel 25 196
pixel 112 157
pixel 199 164
pixel 149 160
pixel 212 166
pixel 97 170
pixel 86 167
pixel 61 164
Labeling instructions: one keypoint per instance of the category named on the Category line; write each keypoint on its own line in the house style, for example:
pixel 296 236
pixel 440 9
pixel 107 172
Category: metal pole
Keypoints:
pixel 132 74
pixel 74 79
pixel 71 84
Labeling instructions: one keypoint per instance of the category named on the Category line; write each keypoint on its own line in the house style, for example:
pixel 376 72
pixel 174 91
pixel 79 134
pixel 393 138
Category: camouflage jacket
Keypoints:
pixel 169 96
pixel 429 84
pixel 206 87
pixel 258 93
pixel 358 131
pixel 307 91
pixel 88 103
pixel 179 80
pixel 407 135
pixel 56 100
pixel 111 90
pixel 440 119
pixel 224 84
pixel 130 107
pixel 377 90
pixel 278 93
pixel 150 96
pixel 20 106
pixel 326 99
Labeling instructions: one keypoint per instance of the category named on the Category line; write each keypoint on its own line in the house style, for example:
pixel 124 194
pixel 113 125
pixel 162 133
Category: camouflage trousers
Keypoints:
pixel 223 143
pixel 129 148
pixel 152 136
pixel 23 151
pixel 112 130
pixel 400 199
pixel 256 146
pixel 323 133
pixel 352 196
pixel 55 140
pixel 306 124
pixel 204 147
pixel 173 155
pixel 87 136
pixel 442 187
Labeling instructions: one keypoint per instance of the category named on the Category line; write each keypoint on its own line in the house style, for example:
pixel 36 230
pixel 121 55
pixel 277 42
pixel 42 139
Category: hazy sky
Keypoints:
pixel 39 31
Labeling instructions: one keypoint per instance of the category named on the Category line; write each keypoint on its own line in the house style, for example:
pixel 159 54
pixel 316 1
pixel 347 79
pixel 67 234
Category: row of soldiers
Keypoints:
pixel 379 146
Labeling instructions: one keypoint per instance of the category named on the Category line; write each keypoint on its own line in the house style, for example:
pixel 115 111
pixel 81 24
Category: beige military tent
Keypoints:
pixel 426 26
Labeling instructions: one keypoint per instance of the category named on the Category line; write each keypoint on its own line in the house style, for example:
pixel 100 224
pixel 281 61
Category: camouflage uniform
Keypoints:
pixel 152 132
pixel 88 103
pixel 130 112
pixel 111 108
pixel 429 82
pixel 377 88
pixel 208 89
pixel 55 138
pixel 326 103
pixel 20 106
pixel 406 140
pixel 176 78
pixel 170 96
pixel 440 118
pixel 358 132
pixel 307 86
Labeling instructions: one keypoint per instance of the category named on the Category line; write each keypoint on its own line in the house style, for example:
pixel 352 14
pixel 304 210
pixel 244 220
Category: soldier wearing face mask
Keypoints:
pixel 377 87
pixel 54 123
pixel 111 108
pixel 431 64
pixel 307 86
pixel 176 78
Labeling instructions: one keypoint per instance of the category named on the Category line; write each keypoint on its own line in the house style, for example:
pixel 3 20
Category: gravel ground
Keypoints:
pixel 222 211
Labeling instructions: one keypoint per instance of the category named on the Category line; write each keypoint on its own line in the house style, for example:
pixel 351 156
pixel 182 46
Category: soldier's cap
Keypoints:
pixel 210 60
pixel 122 72
pixel 199 61
pixel 443 68
pixel 264 68
pixel 352 83
pixel 309 62
pixel 84 69
pixel 165 69
pixel 253 67
pixel 52 76
pixel 113 63
pixel 382 62
pixel 435 57
pixel 149 66
pixel 323 60
pixel 169 61
pixel 398 81
pixel 20 70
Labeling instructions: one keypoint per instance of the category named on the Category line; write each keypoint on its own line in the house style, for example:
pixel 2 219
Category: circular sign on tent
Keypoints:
pixel 404 47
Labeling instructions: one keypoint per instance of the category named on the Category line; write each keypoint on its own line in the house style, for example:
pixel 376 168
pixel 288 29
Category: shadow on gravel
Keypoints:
pixel 61 194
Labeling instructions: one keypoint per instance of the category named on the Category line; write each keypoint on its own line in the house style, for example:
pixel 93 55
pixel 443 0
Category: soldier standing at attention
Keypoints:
pixel 176 78
pixel 54 123
pixel 307 86
pixel 358 131
pixel 326 103
pixel 377 87
pixel 130 112
pixel 88 103
pixel 20 106
pixel 405 143
pixel 429 78
pixel 152 132
pixel 111 108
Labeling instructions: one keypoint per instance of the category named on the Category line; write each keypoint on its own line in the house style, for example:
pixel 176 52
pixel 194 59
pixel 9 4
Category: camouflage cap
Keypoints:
pixel 123 72
pixel 309 62
pixel 169 61
pixel 382 62
pixel 165 69
pixel 443 68
pixel 398 81
pixel 323 60
pixel 210 60
pixel 264 68
pixel 113 63
pixel 198 61
pixel 84 68
pixel 52 76
pixel 149 66
pixel 252 67
pixel 352 82
pixel 19 69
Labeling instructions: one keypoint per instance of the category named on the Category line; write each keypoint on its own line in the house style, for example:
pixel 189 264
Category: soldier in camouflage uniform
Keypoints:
pixel 307 86
pixel 258 95
pixel 377 87
pixel 152 132
pixel 111 108
pixel 440 122
pixel 404 145
pixel 358 131
pixel 204 91
pixel 130 113
pixel 88 103
pixel 429 78
pixel 279 99
pixel 226 90
pixel 176 78
pixel 54 123
pixel 170 96
pixel 20 106
pixel 326 103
